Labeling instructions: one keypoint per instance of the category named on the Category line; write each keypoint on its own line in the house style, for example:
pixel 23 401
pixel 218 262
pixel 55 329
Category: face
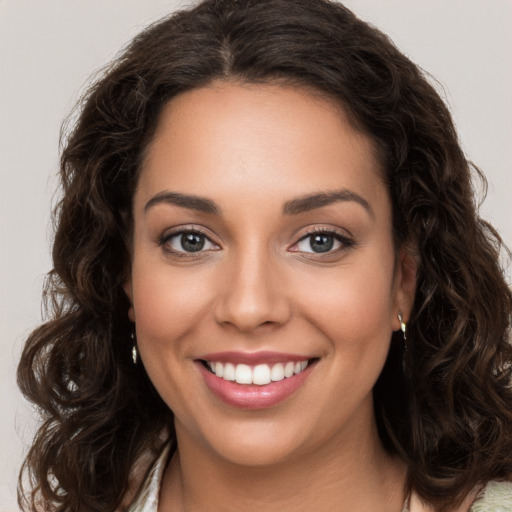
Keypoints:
pixel 265 284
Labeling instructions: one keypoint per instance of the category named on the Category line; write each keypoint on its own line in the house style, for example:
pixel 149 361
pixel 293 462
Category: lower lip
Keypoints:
pixel 251 396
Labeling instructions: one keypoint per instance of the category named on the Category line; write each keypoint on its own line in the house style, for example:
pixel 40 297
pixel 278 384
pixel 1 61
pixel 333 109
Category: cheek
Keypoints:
pixel 353 308
pixel 168 308
pixel 167 305
pixel 359 300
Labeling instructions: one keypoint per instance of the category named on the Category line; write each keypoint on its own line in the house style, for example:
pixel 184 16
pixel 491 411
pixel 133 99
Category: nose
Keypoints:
pixel 252 294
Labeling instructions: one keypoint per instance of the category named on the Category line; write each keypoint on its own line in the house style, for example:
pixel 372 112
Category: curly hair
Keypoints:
pixel 445 406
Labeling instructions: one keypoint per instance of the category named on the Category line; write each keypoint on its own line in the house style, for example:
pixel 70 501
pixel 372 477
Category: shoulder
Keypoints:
pixel 495 497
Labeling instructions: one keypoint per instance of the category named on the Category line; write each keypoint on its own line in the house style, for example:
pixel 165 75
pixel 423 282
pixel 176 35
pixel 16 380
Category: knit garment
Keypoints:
pixel 496 497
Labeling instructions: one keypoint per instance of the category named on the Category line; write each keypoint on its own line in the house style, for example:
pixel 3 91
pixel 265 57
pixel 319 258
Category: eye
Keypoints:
pixel 322 242
pixel 188 242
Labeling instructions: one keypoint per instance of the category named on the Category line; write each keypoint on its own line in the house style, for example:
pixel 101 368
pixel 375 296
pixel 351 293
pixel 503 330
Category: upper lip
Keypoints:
pixel 253 358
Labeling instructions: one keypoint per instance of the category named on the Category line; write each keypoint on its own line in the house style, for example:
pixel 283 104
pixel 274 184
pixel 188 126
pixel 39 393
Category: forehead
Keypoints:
pixel 262 139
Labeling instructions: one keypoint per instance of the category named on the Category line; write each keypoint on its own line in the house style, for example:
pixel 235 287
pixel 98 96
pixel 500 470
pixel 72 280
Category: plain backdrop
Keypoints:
pixel 49 49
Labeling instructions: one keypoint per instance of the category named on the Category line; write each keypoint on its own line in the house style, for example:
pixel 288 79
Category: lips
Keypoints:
pixel 254 380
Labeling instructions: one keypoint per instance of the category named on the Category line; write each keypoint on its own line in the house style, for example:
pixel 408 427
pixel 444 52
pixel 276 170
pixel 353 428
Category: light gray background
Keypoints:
pixel 49 48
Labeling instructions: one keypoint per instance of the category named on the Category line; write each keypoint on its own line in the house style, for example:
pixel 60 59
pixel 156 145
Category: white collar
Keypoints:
pixel 148 496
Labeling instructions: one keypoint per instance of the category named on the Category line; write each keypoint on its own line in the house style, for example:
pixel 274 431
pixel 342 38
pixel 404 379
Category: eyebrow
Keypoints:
pixel 318 200
pixel 293 207
pixel 185 201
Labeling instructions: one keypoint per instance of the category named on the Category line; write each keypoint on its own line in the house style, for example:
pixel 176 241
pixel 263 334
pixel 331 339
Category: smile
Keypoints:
pixel 254 380
pixel 260 375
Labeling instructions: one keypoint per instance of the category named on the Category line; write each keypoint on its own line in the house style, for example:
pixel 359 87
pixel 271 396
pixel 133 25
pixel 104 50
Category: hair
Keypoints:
pixel 446 411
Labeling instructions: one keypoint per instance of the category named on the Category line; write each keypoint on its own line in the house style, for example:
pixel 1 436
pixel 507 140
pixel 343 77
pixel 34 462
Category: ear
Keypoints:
pixel 405 285
pixel 128 290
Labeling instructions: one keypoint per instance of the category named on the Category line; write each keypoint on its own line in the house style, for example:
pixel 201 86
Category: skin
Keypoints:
pixel 258 285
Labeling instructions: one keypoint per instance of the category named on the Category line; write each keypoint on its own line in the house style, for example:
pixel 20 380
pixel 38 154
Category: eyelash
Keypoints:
pixel 164 241
pixel 345 241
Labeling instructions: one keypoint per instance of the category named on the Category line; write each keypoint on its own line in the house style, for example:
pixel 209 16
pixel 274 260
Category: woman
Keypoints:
pixel 271 287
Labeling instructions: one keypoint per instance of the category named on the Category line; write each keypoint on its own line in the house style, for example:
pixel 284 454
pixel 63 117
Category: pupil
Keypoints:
pixel 321 243
pixel 192 242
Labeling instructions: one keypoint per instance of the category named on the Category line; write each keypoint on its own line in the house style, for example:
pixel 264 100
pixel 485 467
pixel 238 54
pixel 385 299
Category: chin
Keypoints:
pixel 257 454
pixel 259 444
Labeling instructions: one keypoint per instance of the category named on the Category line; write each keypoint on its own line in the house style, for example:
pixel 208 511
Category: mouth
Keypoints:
pixel 254 381
pixel 260 374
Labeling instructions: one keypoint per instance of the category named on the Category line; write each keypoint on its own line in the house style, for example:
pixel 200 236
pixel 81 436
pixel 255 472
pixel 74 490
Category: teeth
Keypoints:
pixel 260 374
pixel 289 369
pixel 229 372
pixel 243 373
pixel 277 372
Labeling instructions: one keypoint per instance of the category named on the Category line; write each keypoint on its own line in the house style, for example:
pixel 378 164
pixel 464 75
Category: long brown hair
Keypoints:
pixel 448 414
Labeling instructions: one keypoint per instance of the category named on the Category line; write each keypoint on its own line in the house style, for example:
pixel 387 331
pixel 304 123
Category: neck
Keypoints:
pixel 357 476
